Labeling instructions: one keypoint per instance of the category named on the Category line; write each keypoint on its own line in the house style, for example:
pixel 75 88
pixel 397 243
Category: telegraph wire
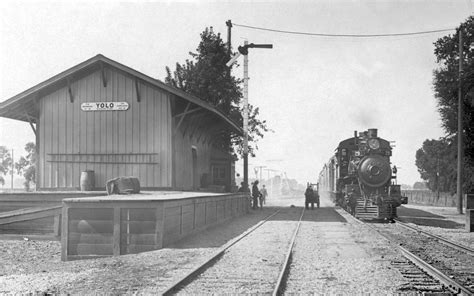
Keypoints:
pixel 343 35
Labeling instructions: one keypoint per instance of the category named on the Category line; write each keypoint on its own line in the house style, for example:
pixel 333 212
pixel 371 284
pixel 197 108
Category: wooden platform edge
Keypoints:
pixel 29 214
pixel 28 237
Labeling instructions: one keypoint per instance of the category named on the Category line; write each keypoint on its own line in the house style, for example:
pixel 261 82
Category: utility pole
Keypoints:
pixel 437 177
pixel 260 168
pixel 13 163
pixel 246 118
pixel 243 50
pixel 229 37
pixel 460 133
pixel 271 180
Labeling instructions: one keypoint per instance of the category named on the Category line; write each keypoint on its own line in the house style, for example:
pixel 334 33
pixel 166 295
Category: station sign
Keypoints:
pixel 105 106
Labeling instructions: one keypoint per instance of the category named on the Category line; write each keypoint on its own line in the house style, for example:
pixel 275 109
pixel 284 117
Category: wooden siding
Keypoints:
pixel 124 225
pixel 183 162
pixel 136 142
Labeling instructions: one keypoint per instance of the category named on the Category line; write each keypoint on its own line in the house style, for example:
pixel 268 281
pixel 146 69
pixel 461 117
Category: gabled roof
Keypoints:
pixel 24 105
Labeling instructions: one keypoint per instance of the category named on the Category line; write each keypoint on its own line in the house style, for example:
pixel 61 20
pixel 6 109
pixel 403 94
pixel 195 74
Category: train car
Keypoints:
pixel 360 179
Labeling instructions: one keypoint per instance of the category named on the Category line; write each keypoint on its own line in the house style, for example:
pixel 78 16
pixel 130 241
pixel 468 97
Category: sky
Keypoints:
pixel 313 91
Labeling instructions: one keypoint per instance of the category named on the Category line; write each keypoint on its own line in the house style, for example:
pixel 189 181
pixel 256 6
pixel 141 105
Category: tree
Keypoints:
pixel 436 164
pixel 419 185
pixel 446 93
pixel 207 77
pixel 5 163
pixel 27 166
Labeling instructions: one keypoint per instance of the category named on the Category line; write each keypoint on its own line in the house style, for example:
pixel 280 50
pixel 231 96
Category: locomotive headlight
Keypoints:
pixel 374 144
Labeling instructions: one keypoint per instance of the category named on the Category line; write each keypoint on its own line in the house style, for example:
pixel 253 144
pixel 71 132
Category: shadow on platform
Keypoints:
pixel 424 218
pixel 323 214
pixel 218 235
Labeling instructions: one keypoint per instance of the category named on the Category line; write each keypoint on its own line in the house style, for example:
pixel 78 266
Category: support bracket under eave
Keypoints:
pixel 69 90
pixel 182 117
pixel 137 89
pixel 103 74
pixel 31 123
pixel 187 112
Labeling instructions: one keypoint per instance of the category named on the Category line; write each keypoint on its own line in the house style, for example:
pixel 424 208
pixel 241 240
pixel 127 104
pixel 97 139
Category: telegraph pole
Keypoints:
pixel 460 133
pixel 229 37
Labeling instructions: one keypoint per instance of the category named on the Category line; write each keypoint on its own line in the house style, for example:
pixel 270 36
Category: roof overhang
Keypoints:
pixel 24 106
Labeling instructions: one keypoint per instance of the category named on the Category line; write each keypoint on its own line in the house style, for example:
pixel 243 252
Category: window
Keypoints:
pixel 218 174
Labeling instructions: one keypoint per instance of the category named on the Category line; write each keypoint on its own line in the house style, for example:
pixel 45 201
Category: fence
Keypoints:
pixel 430 198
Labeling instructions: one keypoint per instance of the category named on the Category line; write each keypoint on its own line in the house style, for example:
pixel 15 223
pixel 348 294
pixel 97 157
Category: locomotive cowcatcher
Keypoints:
pixel 360 179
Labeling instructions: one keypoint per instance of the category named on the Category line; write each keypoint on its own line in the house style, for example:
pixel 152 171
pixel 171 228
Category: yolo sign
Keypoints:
pixel 104 106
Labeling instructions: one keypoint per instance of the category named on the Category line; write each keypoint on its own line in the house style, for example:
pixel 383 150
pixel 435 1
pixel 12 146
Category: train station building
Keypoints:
pixel 105 117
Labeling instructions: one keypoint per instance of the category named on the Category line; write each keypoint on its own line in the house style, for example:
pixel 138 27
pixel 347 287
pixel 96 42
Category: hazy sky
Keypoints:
pixel 313 91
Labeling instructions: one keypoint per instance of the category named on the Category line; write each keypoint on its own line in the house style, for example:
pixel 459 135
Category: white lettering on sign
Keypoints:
pixel 105 106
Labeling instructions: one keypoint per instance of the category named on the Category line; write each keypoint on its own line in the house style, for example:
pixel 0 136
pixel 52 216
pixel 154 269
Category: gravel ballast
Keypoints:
pixel 29 266
pixel 339 256
pixel 35 266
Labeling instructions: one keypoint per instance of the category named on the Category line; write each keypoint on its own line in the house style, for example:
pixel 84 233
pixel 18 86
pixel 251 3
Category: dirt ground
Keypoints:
pixel 29 266
pixel 441 221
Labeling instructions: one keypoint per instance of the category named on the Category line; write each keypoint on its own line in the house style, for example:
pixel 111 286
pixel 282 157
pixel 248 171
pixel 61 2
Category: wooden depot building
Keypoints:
pixel 105 117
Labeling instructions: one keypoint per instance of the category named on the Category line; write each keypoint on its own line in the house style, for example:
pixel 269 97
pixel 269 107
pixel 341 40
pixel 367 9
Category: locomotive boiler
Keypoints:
pixel 360 178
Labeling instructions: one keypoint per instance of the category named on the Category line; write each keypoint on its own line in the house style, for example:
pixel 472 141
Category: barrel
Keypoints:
pixel 87 180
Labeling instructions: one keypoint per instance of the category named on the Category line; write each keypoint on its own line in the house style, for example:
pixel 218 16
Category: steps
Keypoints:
pixel 370 211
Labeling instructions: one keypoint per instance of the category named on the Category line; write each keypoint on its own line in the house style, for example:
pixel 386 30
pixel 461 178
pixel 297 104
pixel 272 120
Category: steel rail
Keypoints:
pixel 450 283
pixel 441 239
pixel 279 285
pixel 212 258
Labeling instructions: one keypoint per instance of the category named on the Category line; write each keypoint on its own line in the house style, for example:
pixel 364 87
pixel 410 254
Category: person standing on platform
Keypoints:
pixel 242 187
pixel 264 196
pixel 255 194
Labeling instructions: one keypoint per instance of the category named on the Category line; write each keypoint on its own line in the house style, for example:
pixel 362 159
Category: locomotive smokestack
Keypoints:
pixel 372 133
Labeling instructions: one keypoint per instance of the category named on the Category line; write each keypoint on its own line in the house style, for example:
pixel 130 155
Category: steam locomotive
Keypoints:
pixel 360 179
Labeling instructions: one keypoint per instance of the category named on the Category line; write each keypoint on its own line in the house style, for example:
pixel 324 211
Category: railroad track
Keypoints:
pixel 202 275
pixel 439 238
pixel 448 263
pixel 280 284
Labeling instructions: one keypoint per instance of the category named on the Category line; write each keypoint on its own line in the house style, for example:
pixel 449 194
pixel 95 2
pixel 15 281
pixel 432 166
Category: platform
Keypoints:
pixel 436 214
pixel 10 201
pixel 23 214
pixel 125 224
